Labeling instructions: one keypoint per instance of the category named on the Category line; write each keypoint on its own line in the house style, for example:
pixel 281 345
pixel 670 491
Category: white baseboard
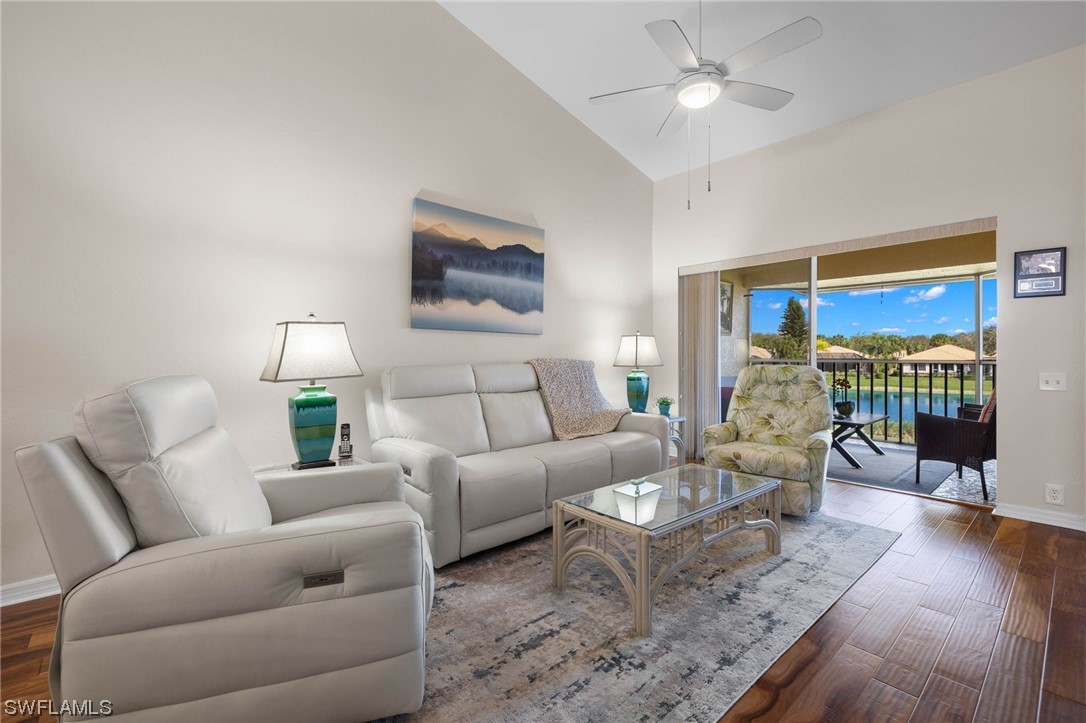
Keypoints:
pixel 25 590
pixel 1047 517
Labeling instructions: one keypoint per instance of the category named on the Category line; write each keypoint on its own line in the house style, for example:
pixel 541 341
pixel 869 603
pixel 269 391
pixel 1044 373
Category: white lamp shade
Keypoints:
pixel 305 350
pixel 638 351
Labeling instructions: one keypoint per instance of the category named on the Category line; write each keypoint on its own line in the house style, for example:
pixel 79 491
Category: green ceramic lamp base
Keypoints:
pixel 637 390
pixel 312 426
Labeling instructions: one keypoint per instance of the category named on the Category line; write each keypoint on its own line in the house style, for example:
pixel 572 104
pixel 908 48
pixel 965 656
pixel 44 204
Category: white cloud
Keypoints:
pixel 890 330
pixel 991 308
pixel 869 292
pixel 855 323
pixel 776 306
pixel 957 331
pixel 966 319
pixel 941 320
pixel 821 302
pixel 992 321
pixel 926 295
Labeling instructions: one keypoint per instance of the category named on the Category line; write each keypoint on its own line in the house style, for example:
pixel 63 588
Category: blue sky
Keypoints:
pixel 926 309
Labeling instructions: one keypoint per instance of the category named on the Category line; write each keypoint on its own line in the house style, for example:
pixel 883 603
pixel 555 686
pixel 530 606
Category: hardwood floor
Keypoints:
pixel 968 617
pixel 26 641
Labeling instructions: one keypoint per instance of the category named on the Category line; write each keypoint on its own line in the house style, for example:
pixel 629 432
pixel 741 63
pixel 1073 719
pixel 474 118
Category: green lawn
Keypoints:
pixel 953 384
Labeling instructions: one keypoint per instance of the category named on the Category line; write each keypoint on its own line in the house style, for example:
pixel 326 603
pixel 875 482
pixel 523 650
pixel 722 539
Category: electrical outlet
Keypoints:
pixel 1054 494
pixel 1053 381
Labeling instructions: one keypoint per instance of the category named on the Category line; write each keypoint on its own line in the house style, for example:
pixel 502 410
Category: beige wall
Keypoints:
pixel 178 178
pixel 1009 145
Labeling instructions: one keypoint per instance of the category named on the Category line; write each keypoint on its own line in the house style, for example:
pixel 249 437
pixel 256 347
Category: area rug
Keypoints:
pixel 895 470
pixel 504 645
pixel 968 489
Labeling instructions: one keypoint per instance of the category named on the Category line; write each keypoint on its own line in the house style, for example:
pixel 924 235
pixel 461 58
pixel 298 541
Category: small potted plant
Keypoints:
pixel 847 407
pixel 664 405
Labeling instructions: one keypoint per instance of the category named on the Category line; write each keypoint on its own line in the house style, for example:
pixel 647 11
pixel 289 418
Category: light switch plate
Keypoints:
pixel 1053 382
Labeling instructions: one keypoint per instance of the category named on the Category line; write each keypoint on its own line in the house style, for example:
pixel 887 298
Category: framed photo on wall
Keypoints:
pixel 471 272
pixel 725 308
pixel 1040 273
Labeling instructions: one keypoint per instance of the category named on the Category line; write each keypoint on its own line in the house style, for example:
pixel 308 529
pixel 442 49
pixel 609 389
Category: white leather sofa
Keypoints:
pixel 481 459
pixel 184 578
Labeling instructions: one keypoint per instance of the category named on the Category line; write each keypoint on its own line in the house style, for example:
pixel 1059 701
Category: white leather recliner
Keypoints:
pixel 194 590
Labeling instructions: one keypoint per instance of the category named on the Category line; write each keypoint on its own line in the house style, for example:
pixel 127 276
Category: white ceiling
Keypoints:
pixel 871 55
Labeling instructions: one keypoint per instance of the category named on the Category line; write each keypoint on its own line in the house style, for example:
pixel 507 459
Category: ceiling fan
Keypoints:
pixel 700 81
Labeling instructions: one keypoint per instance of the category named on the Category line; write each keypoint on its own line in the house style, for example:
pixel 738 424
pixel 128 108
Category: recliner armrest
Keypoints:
pixel 378 546
pixel 654 424
pixel 294 493
pixel 818 440
pixel 720 434
pixel 428 466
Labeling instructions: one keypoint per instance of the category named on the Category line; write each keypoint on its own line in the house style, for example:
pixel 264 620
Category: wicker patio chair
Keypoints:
pixel 967 441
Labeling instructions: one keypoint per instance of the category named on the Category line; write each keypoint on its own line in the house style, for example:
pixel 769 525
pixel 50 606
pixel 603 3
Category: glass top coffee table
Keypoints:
pixel 647 529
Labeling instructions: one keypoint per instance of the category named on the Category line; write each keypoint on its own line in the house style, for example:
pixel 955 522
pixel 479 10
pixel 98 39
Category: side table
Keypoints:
pixel 285 466
pixel 676 426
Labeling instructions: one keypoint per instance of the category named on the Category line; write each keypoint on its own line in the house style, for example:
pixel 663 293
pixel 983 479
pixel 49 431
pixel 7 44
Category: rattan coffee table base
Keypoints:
pixel 634 552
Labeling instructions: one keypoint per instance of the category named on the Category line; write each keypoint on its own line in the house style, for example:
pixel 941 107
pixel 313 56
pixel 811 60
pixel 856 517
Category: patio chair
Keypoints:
pixel 968 440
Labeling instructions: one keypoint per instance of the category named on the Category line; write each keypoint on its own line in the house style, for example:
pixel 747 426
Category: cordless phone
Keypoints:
pixel 346 449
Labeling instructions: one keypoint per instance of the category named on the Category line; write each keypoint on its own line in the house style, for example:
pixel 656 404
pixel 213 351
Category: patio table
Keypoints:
pixel 845 427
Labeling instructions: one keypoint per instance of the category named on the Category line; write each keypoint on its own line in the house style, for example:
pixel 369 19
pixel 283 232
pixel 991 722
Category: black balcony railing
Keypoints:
pixel 900 389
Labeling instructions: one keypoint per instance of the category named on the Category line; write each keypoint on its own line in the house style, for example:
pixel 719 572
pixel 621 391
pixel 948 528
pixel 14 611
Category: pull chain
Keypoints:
pixel 709 144
pixel 689 122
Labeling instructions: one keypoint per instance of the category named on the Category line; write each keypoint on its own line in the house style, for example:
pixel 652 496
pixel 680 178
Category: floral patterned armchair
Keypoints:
pixel 778 426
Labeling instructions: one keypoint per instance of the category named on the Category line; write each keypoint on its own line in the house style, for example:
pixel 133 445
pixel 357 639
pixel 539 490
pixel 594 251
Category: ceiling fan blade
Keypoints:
pixel 675 120
pixel 631 93
pixel 672 40
pixel 775 44
pixel 759 96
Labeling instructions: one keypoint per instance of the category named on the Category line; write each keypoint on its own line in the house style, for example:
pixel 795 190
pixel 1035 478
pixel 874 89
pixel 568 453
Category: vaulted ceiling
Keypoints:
pixel 871 55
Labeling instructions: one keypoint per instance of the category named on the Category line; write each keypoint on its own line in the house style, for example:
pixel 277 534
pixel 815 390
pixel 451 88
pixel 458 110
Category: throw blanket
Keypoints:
pixel 573 398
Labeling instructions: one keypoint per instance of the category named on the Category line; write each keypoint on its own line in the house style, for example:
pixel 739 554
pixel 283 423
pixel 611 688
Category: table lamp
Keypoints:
pixel 637 351
pixel 305 351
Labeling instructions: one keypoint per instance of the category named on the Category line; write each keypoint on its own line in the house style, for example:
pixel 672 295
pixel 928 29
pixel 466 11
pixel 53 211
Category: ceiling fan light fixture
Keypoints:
pixel 698 91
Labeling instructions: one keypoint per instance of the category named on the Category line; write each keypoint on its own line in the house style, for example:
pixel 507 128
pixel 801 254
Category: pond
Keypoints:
pixel 882 402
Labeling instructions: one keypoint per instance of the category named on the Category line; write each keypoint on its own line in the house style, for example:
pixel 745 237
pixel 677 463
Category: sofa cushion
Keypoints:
pixel 768 460
pixel 573 466
pixel 436 380
pixel 515 419
pixel 988 409
pixel 497 486
pixel 179 475
pixel 632 453
pixel 453 422
pixel 505 378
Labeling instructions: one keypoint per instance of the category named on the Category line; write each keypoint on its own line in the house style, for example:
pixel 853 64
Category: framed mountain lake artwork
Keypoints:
pixel 471 272
pixel 1040 273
